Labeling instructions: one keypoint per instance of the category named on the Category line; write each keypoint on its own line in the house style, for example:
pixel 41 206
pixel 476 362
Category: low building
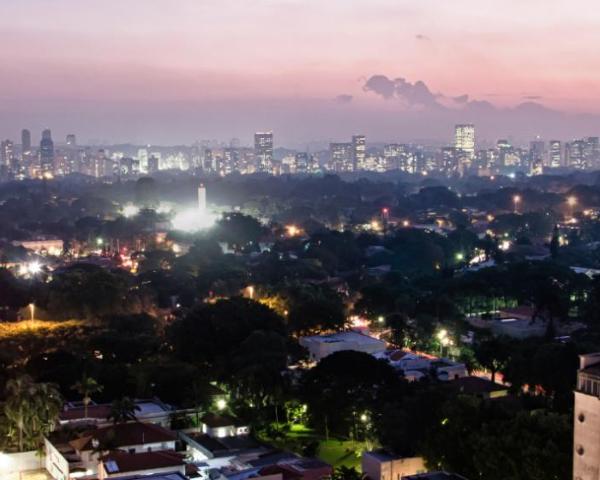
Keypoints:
pixel 81 456
pixel 479 387
pixel 220 426
pixel 382 465
pixel 320 346
pixel 118 463
pixel 147 411
pixel 42 246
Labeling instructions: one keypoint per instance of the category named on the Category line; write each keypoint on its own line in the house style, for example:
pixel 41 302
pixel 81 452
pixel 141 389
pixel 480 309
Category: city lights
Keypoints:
pixel 130 211
pixel 192 220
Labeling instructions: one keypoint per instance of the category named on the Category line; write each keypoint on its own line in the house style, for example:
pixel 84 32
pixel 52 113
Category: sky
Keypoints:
pixel 176 71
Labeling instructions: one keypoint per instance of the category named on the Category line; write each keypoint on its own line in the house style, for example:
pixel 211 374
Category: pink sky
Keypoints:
pixel 129 52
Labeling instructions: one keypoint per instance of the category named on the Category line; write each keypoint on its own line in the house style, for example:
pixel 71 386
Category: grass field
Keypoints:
pixel 336 452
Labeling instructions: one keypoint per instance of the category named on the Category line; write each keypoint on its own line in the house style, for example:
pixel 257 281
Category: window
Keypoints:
pixel 581 417
pixel 579 450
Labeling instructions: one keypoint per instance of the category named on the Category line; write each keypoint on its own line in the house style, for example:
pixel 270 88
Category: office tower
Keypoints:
pixel 359 150
pixel 537 149
pixel 449 160
pixel 574 154
pixel 6 153
pixel 555 154
pixel 263 151
pixel 142 156
pixel 340 157
pixel 46 152
pixel 153 164
pixel 231 160
pixel 591 152
pixel 71 140
pixel 586 413
pixel 25 141
pixel 301 162
pixel 464 140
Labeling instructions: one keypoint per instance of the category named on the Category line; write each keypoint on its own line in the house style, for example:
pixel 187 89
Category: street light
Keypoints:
pixel 516 201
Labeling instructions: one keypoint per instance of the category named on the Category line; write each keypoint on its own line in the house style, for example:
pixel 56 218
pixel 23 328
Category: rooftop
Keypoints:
pixel 123 435
pixel 350 336
pixel 133 462
pixel 214 420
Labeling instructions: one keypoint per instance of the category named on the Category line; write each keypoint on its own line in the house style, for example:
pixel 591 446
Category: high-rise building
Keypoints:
pixel 359 151
pixel 574 154
pixel 555 154
pixel 71 140
pixel 263 150
pixel 464 139
pixel 341 158
pixel 6 153
pixel 25 140
pixel 586 413
pixel 591 152
pixel 46 152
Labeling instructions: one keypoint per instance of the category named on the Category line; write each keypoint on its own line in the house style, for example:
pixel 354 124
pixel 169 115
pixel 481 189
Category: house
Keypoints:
pixel 147 411
pixel 118 463
pixel 219 426
pixel 156 476
pixel 446 369
pixel 81 456
pixel 479 387
pixel 320 346
pixel 382 465
pixel 415 366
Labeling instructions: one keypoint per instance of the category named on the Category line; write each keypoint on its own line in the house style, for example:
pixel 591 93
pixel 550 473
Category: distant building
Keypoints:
pixel 6 153
pixel 263 150
pixel 320 346
pixel 25 140
pixel 46 152
pixel 586 412
pixel 464 139
pixel 341 157
pixel 555 159
pixel 359 152
pixel 71 140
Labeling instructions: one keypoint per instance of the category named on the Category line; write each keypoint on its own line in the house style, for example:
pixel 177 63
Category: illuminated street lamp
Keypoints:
pixel 516 201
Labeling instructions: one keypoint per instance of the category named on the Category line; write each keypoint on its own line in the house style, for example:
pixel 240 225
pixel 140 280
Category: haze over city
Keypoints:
pixel 154 71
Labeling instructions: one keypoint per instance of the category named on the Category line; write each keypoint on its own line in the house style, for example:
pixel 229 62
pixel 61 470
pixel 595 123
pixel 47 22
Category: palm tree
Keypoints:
pixel 86 387
pixel 123 410
pixel 32 408
pixel 18 393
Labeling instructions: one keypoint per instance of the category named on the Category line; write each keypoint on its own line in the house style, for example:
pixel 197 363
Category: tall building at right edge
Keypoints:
pixel 46 152
pixel 263 151
pixel 359 152
pixel 586 413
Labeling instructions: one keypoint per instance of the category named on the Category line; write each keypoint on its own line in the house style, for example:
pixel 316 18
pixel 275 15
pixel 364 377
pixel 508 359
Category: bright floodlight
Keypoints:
pixel 221 404
pixel 130 211
pixel 192 220
pixel 572 201
pixel 34 268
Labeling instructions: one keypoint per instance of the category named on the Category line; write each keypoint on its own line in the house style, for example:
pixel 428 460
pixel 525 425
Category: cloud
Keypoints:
pixel 462 99
pixel 422 37
pixel 343 99
pixel 412 94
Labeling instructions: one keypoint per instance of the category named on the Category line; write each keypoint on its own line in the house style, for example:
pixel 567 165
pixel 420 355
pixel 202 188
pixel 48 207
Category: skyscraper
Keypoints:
pixel 555 154
pixel 359 150
pixel 341 157
pixel 25 140
pixel 574 154
pixel 464 139
pixel 46 152
pixel 263 150
pixel 586 431
pixel 6 153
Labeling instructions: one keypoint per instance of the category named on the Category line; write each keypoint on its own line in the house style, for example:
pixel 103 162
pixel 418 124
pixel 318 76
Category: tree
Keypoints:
pixel 346 473
pixel 554 243
pixel 86 387
pixel 32 410
pixel 492 354
pixel 123 410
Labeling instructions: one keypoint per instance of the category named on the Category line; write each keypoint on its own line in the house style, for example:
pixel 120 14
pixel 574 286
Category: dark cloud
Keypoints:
pixel 343 99
pixel 413 94
pixel 462 99
pixel 420 36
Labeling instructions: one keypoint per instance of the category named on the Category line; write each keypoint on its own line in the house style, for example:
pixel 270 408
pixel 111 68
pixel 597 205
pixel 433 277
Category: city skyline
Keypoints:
pixel 138 72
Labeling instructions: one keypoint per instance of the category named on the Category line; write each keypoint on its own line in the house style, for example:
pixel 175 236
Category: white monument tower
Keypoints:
pixel 202 198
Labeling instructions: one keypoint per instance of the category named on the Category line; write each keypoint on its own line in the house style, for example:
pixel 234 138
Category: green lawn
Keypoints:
pixel 333 451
